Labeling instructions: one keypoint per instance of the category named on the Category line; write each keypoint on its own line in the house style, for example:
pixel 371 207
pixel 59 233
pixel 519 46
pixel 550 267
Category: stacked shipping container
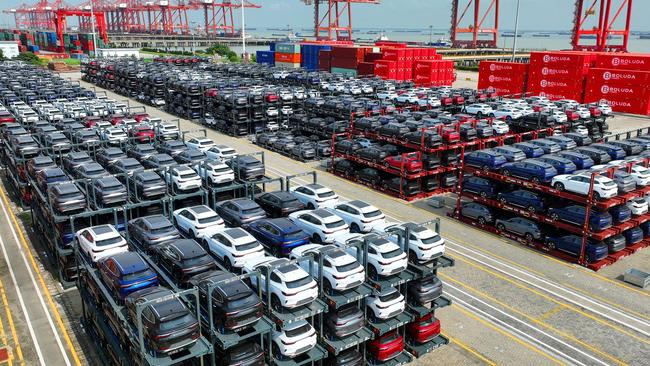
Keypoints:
pixel 559 75
pixel 287 55
pixel 506 78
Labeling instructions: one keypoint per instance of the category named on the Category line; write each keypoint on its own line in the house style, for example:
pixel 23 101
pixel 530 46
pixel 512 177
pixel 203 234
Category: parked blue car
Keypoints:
pixel 529 200
pixel 575 214
pixel 615 152
pixel 481 186
pixel 646 229
pixel 529 149
pixel 530 169
pixel 572 245
pixel 581 161
pixel 562 165
pixel 279 235
pixel 125 273
pixel 485 159
pixel 620 213
pixel 633 235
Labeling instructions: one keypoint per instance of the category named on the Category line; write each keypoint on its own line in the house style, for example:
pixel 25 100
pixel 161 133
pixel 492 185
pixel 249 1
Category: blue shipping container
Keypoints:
pixel 272 46
pixel 309 55
pixel 33 48
pixel 265 57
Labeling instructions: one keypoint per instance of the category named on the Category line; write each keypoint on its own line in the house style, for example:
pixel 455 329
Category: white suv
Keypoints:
pixel 202 143
pixel 320 224
pixel 294 339
pixel 234 247
pixel 215 172
pixel 198 221
pixel 500 127
pixel 114 135
pixel 384 257
pixel 183 178
pixel 167 131
pixel 386 303
pixel 341 271
pixel 290 285
pixel 315 196
pixel 221 152
pixel 360 216
pixel 101 241
pixel 603 187
pixel 424 244
pixel 480 110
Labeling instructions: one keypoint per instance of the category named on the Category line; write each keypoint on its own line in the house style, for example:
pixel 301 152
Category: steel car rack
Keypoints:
pixel 289 178
pixel 402 358
pixel 419 350
pixel 160 138
pixel 234 190
pixel 418 310
pixel 311 357
pixel 254 188
pixel 134 195
pixel 224 340
pixel 199 197
pixel 337 345
pixel 256 154
pixel 381 327
pixel 402 172
pixel 199 132
pixel 18 188
pixel 628 134
pixel 421 270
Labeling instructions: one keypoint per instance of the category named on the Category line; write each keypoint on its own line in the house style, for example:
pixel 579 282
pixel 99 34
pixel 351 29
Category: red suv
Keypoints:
pixel 423 329
pixel 140 116
pixel 449 135
pixel 386 347
pixel 410 162
pixel 143 133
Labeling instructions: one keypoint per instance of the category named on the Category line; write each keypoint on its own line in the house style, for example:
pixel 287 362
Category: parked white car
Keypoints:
pixel 432 102
pixel 215 172
pixel 101 241
pixel 341 271
pixel 558 116
pixel 294 339
pixel 315 196
pixel 183 178
pixel 385 258
pixel 221 152
pixel 114 135
pixel 500 127
pixel 583 112
pixel 480 109
pixel 567 103
pixel 359 215
pixel 387 95
pixel 320 224
pixel 201 143
pixel 641 175
pixel 508 113
pixel 424 244
pixel 407 98
pixel 603 107
pixel 638 206
pixel 386 303
pixel 290 285
pixel 233 247
pixel 198 221
pixel 603 187
pixel 166 131
pixel 581 130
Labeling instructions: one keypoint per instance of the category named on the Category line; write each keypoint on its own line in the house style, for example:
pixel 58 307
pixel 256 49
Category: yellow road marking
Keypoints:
pixel 469 349
pixel 551 312
pixel 493 327
pixel 568 306
pixel 12 327
pixel 48 296
pixel 608 302
pixel 536 321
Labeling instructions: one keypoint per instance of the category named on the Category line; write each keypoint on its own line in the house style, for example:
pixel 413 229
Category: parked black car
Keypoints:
pixel 159 161
pixel 247 167
pixel 109 155
pixel 372 154
pixel 148 185
pixel 393 130
pixel 407 187
pixel 152 230
pixel 183 259
pixel 424 290
pixel 67 198
pixel 108 191
pixel 172 147
pixel 74 160
pixel 90 171
pixel 47 177
pixel 141 151
pixel 347 147
pixel 369 175
pixel 243 354
pixel 190 156
pixel 279 203
pixel 239 212
pixel 35 165
pixel 345 167
pixel 344 321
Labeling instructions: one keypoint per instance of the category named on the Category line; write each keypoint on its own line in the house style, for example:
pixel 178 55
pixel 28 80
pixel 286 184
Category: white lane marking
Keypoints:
pixel 37 288
pixel 526 324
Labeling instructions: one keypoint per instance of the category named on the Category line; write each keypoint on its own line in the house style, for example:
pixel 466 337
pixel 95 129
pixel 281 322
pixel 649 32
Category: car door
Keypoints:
pixel 219 246
pixel 264 271
pixel 343 210
pixel 86 241
pixel 186 220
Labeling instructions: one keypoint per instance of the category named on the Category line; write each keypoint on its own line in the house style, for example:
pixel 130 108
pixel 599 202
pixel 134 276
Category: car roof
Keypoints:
pixel 187 247
pixel 156 221
pixel 244 203
pixel 102 229
pixel 129 262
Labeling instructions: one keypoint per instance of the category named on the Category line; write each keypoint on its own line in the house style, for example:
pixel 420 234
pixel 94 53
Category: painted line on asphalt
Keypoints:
pixel 12 326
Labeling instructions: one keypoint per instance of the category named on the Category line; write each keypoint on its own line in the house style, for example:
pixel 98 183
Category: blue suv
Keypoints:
pixel 581 161
pixel 572 244
pixel 485 159
pixel 529 149
pixel 481 186
pixel 530 169
pixel 620 213
pixel 279 235
pixel 125 273
pixel 615 152
pixel 633 235
pixel 533 202
pixel 562 165
pixel 575 214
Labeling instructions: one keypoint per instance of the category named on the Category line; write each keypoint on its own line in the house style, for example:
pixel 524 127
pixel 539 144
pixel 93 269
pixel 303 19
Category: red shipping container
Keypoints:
pixel 390 44
pixel 393 54
pixel 570 85
pixel 626 105
pixel 619 77
pixel 287 57
pixel 620 92
pixel 630 61
pixel 349 52
pixel 417 54
pixel 495 67
pixel 386 69
pixel 366 68
pixel 372 56
pixel 345 63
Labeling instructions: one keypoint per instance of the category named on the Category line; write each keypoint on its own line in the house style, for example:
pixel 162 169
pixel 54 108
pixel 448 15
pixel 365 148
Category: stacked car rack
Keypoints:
pixel 551 222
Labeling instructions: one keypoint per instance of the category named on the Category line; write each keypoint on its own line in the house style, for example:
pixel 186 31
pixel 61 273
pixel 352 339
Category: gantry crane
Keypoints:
pixel 335 21
pixel 606 13
pixel 478 15
pixel 218 14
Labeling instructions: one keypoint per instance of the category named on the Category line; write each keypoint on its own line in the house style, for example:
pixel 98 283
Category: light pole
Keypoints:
pixel 193 24
pixel 243 29
pixel 430 34
pixel 92 25
pixel 514 41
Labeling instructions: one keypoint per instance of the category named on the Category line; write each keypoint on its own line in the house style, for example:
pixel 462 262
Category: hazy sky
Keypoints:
pixel 535 14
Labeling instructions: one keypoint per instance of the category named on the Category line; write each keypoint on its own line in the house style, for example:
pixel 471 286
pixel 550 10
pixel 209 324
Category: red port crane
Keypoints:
pixel 596 20
pixel 335 21
pixel 218 14
pixel 60 23
pixel 478 15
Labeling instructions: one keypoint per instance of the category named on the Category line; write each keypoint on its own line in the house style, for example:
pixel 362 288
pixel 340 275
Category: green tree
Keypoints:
pixel 31 58
pixel 2 56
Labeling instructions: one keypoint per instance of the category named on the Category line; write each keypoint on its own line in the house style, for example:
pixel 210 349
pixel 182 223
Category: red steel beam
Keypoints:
pixel 333 19
pixel 602 31
pixel 476 28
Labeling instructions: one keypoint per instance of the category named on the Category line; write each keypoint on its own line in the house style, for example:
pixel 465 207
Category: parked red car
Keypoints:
pixel 409 162
pixel 116 120
pixel 423 329
pixel 449 135
pixel 386 347
pixel 90 122
pixel 6 117
pixel 143 133
pixel 140 116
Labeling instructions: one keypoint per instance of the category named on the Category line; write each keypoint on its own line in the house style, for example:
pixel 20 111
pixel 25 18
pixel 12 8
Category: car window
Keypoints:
pixel 275 278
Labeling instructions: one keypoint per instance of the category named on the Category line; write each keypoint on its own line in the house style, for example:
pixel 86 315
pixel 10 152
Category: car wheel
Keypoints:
pixel 506 172
pixel 555 216
pixel 354 228
pixel 559 186
pixel 316 239
pixel 327 287
pixel 485 167
pixel 227 264
pixel 535 180
pixel 503 200
pixel 508 119
pixel 483 194
pixel 204 242
pixel 192 235
pixel 481 220
pixel 311 206
pixel 529 237
pixel 413 258
pixel 531 208
pixel 596 195
pixel 276 352
pixel 550 246
pixel 372 272
pixel 491 115
pixel 501 227
pixel 479 115
pixel 275 303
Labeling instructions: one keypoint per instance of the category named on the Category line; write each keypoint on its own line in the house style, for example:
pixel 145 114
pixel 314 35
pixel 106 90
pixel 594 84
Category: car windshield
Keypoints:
pixel 392 253
pixel 374 213
pixel 222 170
pixel 389 297
pixel 161 229
pixel 326 194
pixel 335 224
pixel 246 246
pixel 145 273
pixel 69 195
pixel 347 267
pixel 207 220
pixel 249 211
pixel 430 240
pixel 296 234
pixel 109 241
pixel 298 331
pixel 188 176
pixel 176 322
pixel 298 283
pixel 199 259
